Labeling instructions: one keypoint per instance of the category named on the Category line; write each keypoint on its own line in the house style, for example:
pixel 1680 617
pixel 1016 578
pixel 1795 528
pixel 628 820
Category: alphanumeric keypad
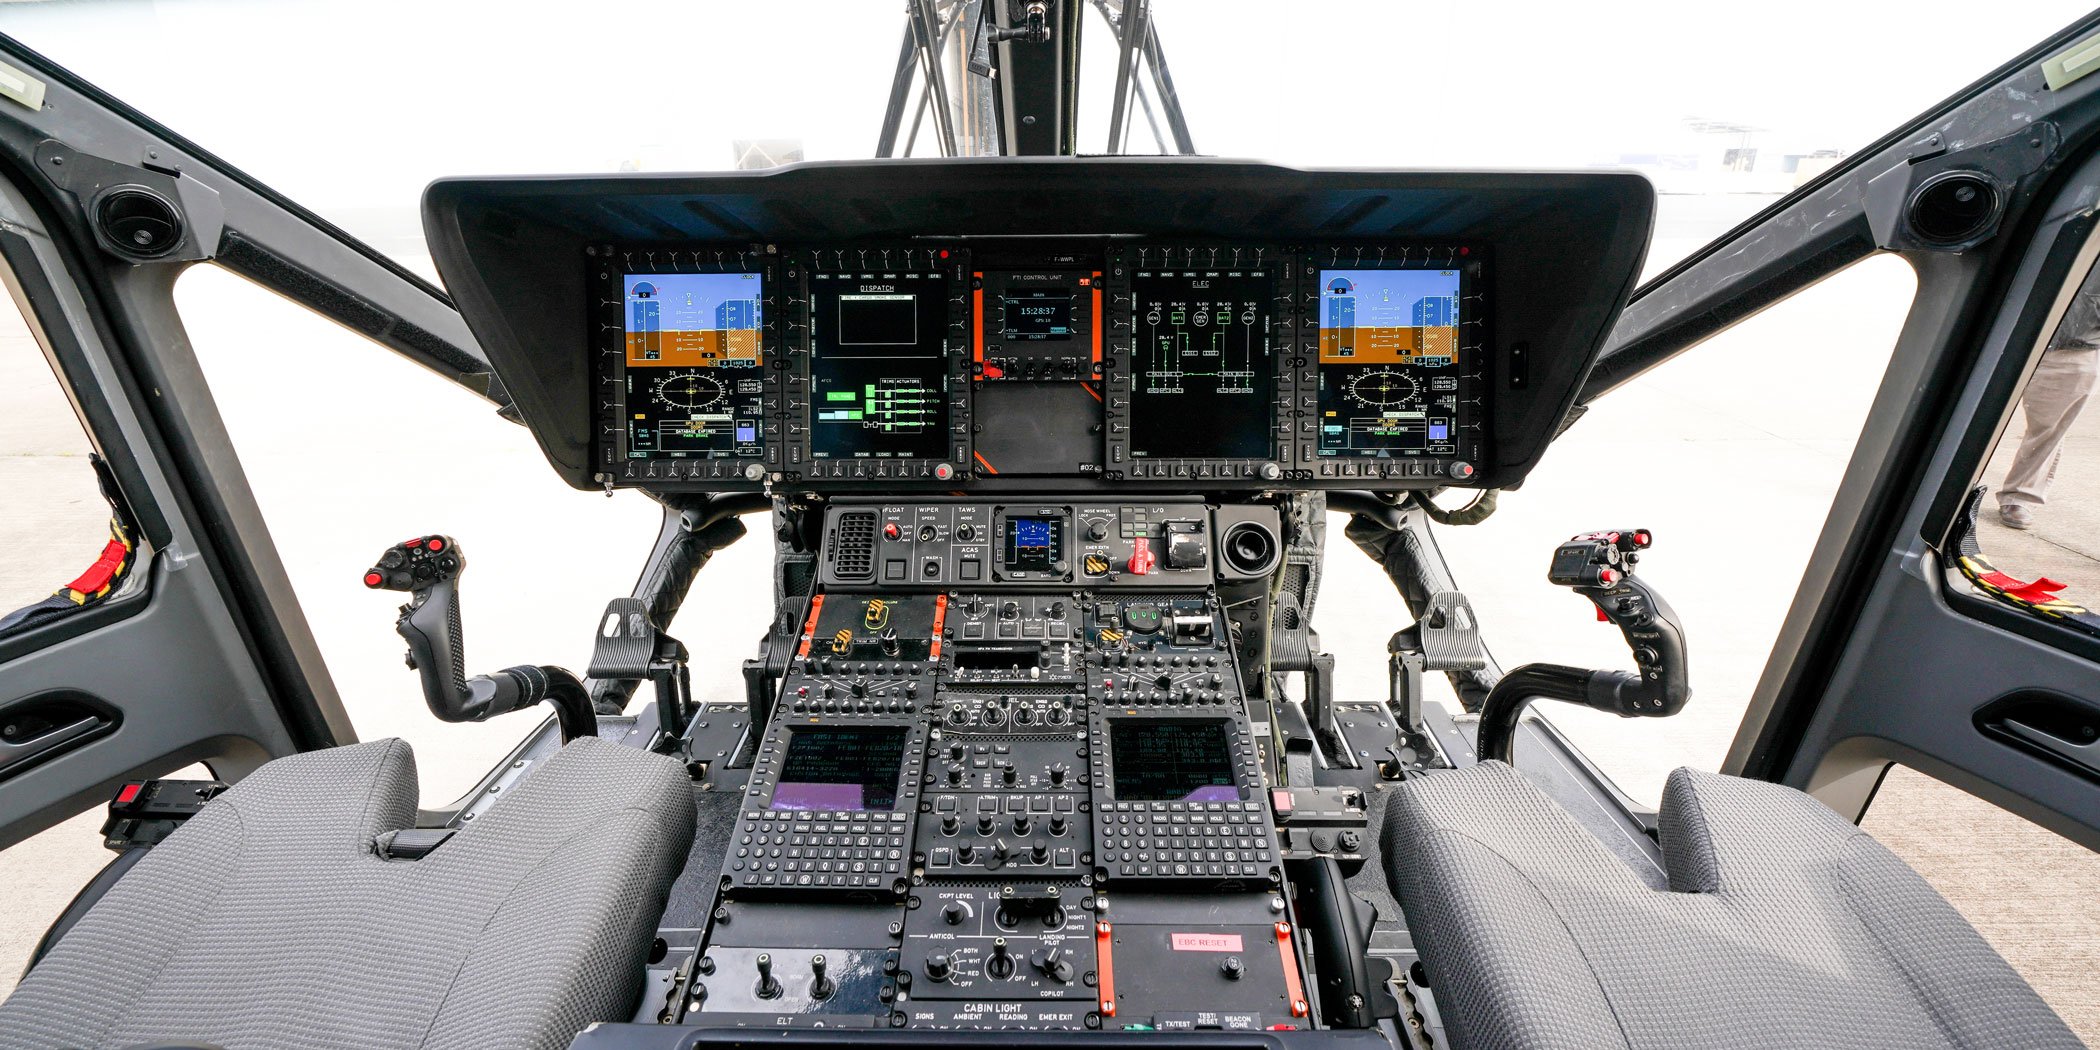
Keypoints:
pixel 799 849
pixel 1183 840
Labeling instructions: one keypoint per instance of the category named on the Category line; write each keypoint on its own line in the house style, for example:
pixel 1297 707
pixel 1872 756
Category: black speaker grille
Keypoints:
pixel 853 546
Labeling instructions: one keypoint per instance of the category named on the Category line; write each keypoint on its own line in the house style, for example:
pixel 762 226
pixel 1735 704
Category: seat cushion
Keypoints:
pixel 1782 926
pixel 270 921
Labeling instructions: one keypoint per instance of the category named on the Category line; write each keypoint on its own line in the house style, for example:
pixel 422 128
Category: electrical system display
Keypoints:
pixel 693 358
pixel 1158 760
pixel 844 769
pixel 1396 376
pixel 1203 369
pixel 878 365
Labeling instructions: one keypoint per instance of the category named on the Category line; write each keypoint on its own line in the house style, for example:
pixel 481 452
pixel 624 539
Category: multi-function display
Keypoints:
pixel 1227 366
pixel 878 365
pixel 694 354
pixel 1203 368
pixel 1391 362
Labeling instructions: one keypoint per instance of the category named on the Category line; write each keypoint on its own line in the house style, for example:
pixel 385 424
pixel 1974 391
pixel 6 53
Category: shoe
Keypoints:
pixel 2016 516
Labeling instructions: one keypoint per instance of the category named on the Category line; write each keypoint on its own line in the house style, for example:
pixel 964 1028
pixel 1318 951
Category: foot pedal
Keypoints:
pixel 626 646
pixel 1448 635
pixel 1446 638
pixel 631 648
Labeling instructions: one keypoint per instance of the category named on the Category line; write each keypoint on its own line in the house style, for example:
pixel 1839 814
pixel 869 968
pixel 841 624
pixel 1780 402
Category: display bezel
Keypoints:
pixel 1122 459
pixel 805 271
pixel 1468 372
pixel 1473 343
pixel 610 269
pixel 1059 569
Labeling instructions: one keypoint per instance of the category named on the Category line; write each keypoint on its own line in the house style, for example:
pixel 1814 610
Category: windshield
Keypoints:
pixel 351 109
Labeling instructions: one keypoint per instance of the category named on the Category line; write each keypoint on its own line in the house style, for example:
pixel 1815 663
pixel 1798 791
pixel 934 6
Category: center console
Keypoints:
pixel 1011 780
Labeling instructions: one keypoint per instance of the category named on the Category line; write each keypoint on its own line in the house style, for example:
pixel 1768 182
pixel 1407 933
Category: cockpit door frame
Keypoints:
pixel 205 656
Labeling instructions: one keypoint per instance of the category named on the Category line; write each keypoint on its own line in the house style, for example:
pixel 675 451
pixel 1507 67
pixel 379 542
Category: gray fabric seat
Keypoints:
pixel 270 921
pixel 1781 925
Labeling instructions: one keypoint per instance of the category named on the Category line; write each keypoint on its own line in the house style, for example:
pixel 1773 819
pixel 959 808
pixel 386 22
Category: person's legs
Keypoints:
pixel 2055 394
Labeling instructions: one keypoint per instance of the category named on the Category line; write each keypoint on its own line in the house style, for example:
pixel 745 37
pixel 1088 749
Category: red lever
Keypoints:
pixel 889 530
pixel 1141 558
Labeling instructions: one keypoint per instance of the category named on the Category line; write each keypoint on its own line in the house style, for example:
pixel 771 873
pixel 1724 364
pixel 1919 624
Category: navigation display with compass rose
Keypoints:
pixel 1399 369
pixel 694 383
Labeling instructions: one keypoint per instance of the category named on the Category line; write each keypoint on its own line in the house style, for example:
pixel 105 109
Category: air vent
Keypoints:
pixel 137 223
pixel 1250 549
pixel 1954 208
pixel 853 546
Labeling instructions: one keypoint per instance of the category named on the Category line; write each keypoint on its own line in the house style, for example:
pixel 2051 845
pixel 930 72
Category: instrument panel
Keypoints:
pixel 1222 366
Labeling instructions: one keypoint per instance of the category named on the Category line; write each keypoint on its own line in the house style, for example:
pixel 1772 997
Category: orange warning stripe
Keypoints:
pixel 1098 320
pixel 1091 392
pixel 986 464
pixel 940 618
pixel 1105 963
pixel 977 318
pixel 1290 970
pixel 809 627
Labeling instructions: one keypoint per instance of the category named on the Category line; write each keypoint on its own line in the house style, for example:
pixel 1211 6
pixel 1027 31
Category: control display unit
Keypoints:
pixel 841 768
pixel 1039 326
pixel 1398 374
pixel 1172 761
pixel 685 390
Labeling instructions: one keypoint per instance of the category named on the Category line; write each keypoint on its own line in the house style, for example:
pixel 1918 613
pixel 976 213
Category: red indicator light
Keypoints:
pixel 129 794
pixel 944 253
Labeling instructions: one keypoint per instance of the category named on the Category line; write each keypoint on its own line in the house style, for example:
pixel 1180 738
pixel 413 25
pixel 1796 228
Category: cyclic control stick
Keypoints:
pixel 428 568
pixel 1599 566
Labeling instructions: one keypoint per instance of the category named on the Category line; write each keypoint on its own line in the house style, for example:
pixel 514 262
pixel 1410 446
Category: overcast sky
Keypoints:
pixel 350 106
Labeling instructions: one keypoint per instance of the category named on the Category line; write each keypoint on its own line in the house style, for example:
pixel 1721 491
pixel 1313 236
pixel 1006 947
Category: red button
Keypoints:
pixel 129 794
pixel 373 579
pixel 435 544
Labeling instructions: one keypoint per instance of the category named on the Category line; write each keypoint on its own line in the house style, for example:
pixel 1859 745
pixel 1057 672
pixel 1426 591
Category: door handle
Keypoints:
pixel 42 745
pixel 2086 756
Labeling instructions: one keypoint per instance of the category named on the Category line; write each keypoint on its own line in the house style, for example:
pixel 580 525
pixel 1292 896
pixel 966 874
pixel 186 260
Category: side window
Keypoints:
pixel 54 522
pixel 1731 454
pixel 2036 538
pixel 349 447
